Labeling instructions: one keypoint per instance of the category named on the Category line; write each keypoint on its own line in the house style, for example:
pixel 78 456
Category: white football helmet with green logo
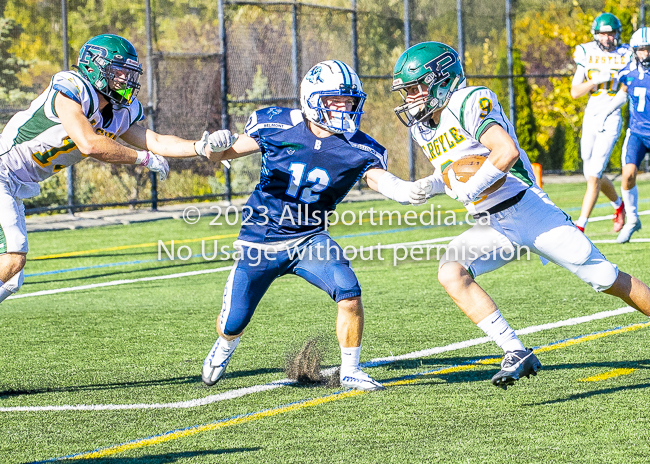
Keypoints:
pixel 111 64
pixel 432 66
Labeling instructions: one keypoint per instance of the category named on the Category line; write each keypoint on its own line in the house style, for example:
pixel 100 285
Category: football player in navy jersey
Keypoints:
pixel 311 158
pixel 635 80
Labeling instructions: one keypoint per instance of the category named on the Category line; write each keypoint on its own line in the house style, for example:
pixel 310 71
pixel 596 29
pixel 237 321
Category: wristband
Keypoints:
pixel 142 158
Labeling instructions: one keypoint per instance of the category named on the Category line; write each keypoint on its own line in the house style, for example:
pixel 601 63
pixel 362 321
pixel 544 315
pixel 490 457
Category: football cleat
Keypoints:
pixel 215 364
pixel 581 229
pixel 626 232
pixel 515 365
pixel 619 218
pixel 361 381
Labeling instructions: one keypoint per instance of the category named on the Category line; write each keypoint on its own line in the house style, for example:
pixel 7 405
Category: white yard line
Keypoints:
pixel 228 395
pixel 119 282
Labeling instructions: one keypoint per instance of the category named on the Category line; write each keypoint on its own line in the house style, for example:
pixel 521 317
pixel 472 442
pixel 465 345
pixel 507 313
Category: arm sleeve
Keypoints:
pixel 619 100
pixel 579 77
pixel 481 110
pixel 394 188
pixel 580 58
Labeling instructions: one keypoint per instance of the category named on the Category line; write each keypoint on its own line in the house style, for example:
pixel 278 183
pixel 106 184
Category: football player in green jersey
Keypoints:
pixel 451 120
pixel 80 115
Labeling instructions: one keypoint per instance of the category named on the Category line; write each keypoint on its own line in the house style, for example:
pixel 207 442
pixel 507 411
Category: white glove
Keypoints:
pixel 154 163
pixel 199 147
pixel 458 190
pixel 603 76
pixel 420 191
pixel 222 140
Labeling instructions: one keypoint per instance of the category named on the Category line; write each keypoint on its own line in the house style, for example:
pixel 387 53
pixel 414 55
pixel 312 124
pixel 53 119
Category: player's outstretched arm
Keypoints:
pixel 241 145
pixel 168 146
pixel 619 100
pixel 83 134
pixel 394 188
pixel 98 146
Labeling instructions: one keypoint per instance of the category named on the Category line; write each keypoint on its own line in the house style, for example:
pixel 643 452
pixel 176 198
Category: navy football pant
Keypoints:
pixel 634 148
pixel 319 260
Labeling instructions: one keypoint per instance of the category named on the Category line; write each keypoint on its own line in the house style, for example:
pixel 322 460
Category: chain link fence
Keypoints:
pixel 209 74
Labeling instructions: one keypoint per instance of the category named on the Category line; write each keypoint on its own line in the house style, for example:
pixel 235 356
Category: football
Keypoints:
pixel 466 167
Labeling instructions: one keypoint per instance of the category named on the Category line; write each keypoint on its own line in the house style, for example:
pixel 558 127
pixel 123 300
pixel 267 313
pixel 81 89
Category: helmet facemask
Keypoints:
pixel 122 78
pixel 613 44
pixel 421 110
pixel 645 62
pixel 334 120
pixel 111 65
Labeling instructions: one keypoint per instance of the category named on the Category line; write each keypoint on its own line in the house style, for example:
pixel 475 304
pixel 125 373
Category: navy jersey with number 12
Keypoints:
pixel 303 177
pixel 638 91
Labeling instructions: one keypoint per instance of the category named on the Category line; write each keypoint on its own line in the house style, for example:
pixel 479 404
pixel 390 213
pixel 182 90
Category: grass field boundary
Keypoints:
pixel 311 402
pixel 237 393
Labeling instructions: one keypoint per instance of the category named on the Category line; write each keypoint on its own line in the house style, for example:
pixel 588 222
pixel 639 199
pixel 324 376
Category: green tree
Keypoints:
pixel 12 90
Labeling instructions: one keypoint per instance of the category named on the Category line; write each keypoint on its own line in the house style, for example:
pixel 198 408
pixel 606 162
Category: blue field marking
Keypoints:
pixel 98 266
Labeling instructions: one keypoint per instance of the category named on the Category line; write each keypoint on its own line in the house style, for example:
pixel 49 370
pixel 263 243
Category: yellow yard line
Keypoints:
pixel 176 434
pixel 128 247
pixel 214 426
pixel 608 375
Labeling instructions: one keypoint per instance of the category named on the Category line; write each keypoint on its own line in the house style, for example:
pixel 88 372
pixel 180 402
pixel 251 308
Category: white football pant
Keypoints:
pixel 534 222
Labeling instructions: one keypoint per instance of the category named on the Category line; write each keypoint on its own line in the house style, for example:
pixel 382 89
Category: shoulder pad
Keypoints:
pixel 273 118
pixel 78 89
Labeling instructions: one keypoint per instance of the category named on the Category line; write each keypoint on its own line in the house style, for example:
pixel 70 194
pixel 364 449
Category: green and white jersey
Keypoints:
pixel 34 145
pixel 469 113
pixel 591 61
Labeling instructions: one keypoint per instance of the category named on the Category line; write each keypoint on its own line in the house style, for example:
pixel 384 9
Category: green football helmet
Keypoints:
pixel 432 66
pixel 111 65
pixel 607 22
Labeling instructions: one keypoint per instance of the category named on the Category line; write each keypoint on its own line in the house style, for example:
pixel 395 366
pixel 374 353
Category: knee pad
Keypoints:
pixel 599 273
pixel 345 280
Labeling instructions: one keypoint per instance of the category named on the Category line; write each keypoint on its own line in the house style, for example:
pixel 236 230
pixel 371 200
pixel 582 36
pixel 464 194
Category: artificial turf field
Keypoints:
pixel 132 354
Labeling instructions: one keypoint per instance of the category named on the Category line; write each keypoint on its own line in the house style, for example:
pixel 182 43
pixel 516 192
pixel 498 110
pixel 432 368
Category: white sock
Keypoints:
pixel 4 293
pixel 631 199
pixel 350 359
pixel 497 328
pixel 582 222
pixel 617 203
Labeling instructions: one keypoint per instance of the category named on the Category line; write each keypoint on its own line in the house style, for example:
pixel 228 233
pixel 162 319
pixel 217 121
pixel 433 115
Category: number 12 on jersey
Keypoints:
pixel 318 176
